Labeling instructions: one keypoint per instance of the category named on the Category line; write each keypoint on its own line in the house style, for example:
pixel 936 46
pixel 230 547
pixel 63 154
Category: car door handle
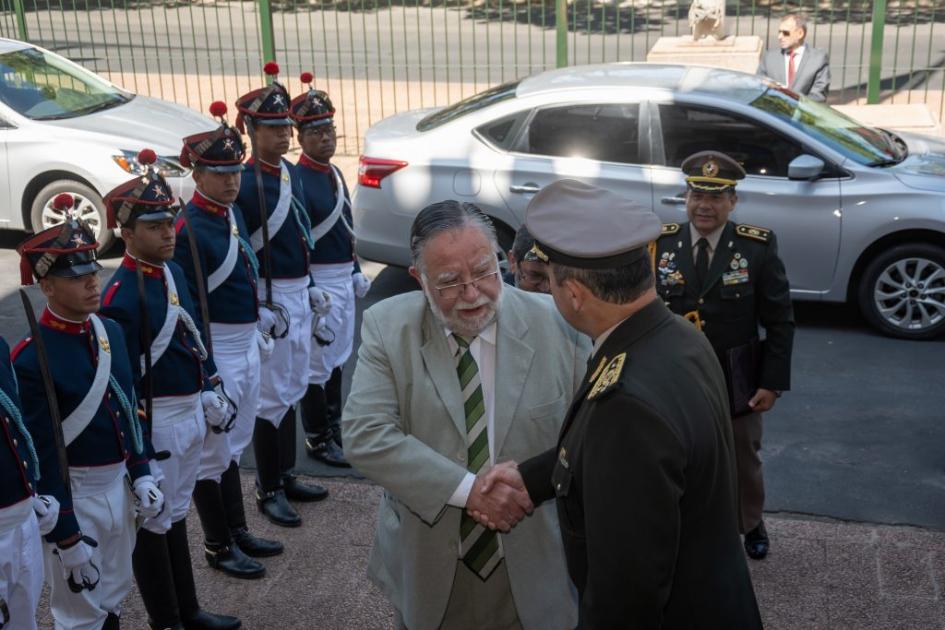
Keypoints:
pixel 673 201
pixel 525 188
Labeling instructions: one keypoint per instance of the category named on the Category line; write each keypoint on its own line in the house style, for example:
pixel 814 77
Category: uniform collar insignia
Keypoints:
pixel 609 377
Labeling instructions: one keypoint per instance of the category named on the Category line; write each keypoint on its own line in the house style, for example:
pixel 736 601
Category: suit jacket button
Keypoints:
pixel 121 433
pixel 14 442
pixel 24 463
pixel 558 487
pixel 701 301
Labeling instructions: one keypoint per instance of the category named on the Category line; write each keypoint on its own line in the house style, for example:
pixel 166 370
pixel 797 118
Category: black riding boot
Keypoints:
pixel 192 617
pixel 319 443
pixel 333 395
pixel 236 518
pixel 219 550
pixel 270 495
pixel 294 489
pixel 152 568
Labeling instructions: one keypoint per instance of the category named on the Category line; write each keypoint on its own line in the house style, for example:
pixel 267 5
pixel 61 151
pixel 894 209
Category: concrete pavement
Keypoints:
pixel 821 574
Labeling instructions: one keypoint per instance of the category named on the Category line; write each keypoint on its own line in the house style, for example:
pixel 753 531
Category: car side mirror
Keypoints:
pixel 805 167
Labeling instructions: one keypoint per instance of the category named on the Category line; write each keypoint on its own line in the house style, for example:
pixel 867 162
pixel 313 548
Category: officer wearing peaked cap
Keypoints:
pixel 175 374
pixel 222 270
pixel 24 515
pixel 271 191
pixel 728 279
pixel 88 552
pixel 643 474
pixel 334 268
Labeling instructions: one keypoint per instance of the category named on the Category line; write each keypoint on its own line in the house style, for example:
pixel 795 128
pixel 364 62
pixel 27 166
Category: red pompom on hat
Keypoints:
pixel 146 157
pixel 218 108
pixel 271 68
pixel 63 201
pixel 307 77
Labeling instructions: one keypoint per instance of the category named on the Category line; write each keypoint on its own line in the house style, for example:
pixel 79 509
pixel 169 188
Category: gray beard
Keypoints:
pixel 464 328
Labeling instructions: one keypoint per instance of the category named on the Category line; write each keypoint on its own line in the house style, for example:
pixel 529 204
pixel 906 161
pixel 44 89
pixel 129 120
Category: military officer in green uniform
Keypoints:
pixel 727 279
pixel 644 471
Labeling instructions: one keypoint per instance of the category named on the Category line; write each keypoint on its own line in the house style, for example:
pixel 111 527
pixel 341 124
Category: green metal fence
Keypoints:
pixel 380 57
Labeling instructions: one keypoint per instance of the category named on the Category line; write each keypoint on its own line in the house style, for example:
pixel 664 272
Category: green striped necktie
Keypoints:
pixel 479 547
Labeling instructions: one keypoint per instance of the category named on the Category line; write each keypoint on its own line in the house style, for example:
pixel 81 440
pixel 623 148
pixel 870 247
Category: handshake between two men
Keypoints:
pixel 498 499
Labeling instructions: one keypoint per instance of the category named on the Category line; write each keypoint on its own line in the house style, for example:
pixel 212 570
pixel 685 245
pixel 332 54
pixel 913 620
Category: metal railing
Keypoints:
pixel 380 57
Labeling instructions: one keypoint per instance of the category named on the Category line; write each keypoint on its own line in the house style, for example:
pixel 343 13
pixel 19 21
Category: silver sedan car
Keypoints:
pixel 859 212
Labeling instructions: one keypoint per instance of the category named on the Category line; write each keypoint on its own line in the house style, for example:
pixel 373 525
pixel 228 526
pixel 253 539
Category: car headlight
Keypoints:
pixel 167 166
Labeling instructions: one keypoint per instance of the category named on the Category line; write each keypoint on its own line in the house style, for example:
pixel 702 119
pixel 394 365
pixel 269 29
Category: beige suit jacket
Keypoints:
pixel 404 428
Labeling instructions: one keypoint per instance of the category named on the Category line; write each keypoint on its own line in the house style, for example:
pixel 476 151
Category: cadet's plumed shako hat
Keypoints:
pixel 311 108
pixel 220 150
pixel 145 198
pixel 265 106
pixel 583 226
pixel 711 171
pixel 66 250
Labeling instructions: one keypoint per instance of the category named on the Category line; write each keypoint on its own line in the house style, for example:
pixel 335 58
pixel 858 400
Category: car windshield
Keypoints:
pixel 856 141
pixel 469 105
pixel 44 86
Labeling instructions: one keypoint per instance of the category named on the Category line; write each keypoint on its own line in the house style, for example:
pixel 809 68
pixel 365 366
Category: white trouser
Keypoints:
pixel 178 427
pixel 21 565
pixel 284 375
pixel 336 281
pixel 237 359
pixel 101 498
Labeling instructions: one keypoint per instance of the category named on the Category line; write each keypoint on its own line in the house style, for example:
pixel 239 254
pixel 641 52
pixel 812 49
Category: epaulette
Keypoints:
pixel 669 228
pixel 18 348
pixel 111 293
pixel 609 377
pixel 753 232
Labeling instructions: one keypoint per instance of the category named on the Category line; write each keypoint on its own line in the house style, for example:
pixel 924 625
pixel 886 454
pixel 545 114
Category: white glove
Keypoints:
pixel 361 284
pixel 150 499
pixel 215 408
pixel 77 566
pixel 266 345
pixel 270 322
pixel 47 512
pixel 320 301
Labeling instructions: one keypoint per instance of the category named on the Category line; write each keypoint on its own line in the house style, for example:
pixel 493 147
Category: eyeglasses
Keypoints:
pixel 453 291
pixel 785 33
pixel 532 277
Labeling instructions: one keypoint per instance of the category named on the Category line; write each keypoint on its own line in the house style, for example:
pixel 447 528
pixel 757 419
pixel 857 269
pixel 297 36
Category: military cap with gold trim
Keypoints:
pixel 220 150
pixel 580 225
pixel 145 198
pixel 265 106
pixel 711 171
pixel 66 250
pixel 312 108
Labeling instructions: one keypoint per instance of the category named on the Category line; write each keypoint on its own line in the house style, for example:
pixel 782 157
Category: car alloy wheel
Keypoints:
pixel 906 290
pixel 88 206
pixel 83 209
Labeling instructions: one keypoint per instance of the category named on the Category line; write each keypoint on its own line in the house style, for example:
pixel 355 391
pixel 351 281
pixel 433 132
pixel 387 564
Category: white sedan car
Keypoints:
pixel 65 129
pixel 859 212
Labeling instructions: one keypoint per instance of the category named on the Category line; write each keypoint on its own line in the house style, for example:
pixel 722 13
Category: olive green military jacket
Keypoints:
pixel 746 287
pixel 644 481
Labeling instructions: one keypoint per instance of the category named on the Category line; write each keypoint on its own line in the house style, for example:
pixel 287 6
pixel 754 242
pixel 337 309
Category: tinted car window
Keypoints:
pixel 688 130
pixel 500 133
pixel 608 133
pixel 466 106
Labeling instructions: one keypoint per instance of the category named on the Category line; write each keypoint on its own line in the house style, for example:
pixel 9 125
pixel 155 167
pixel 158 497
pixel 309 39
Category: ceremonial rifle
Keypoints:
pixel 263 210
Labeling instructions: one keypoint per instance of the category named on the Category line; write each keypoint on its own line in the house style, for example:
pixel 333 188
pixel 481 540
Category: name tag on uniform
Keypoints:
pixel 739 276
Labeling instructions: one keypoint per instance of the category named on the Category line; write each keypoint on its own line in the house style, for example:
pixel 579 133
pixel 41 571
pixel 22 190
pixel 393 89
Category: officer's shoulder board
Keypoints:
pixel 753 232
pixel 608 377
pixel 18 348
pixel 110 294
pixel 668 229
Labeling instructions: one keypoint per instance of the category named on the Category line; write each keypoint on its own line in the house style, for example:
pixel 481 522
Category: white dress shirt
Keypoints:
pixel 798 54
pixel 483 351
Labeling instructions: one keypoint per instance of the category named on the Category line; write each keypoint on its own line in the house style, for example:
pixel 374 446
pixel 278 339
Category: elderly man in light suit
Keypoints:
pixel 795 65
pixel 449 381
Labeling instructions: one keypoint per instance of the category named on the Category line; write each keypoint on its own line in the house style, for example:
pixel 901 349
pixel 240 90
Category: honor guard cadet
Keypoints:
pixel 149 298
pixel 280 234
pixel 221 272
pixel 76 385
pixel 643 473
pixel 334 269
pixel 24 515
pixel 727 279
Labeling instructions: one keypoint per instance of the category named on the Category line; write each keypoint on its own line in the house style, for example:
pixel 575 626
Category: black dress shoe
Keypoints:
pixel 276 507
pixel 231 560
pixel 304 492
pixel 203 620
pixel 756 542
pixel 325 450
pixel 254 546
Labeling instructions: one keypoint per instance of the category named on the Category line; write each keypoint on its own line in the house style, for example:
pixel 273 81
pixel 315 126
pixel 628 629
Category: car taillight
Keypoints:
pixel 372 170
